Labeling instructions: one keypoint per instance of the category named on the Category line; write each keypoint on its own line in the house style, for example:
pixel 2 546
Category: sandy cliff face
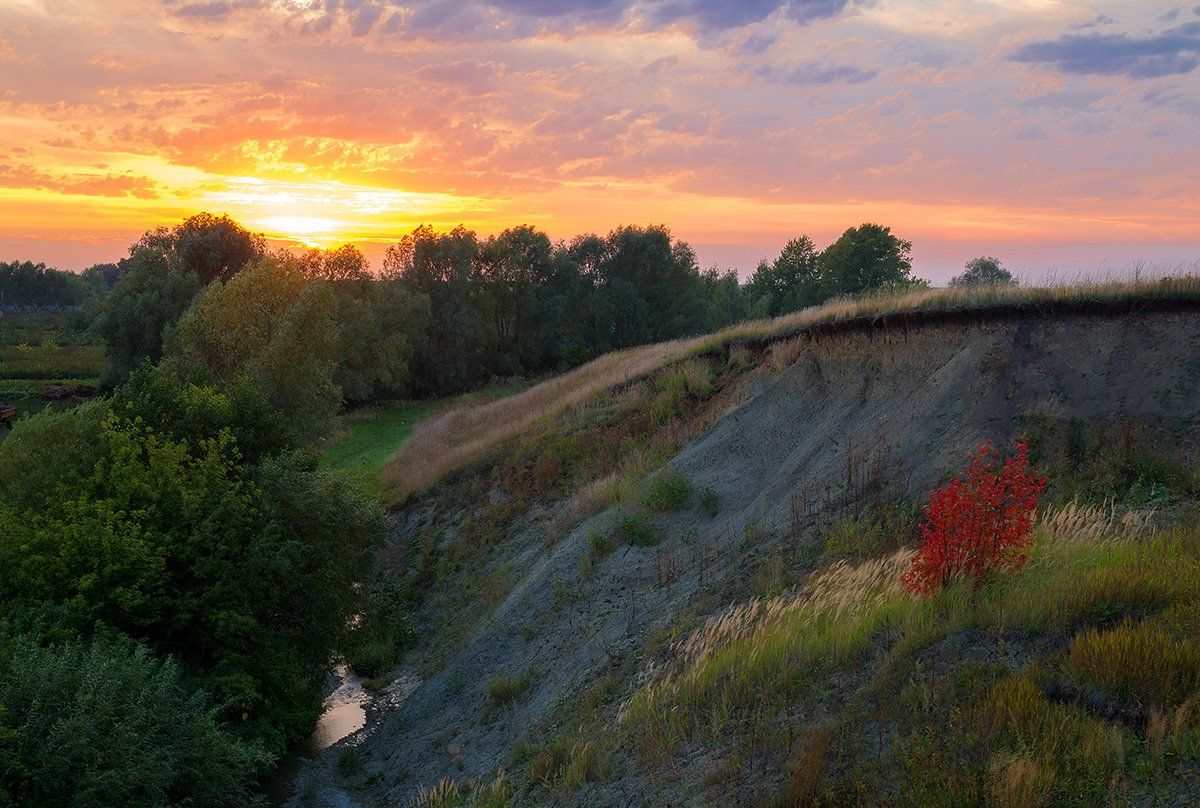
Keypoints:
pixel 848 419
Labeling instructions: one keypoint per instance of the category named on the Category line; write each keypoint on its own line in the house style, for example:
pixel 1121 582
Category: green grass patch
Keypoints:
pixel 50 360
pixel 504 690
pixel 369 436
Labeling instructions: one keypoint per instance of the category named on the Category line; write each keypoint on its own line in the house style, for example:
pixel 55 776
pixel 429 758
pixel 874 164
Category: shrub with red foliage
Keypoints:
pixel 979 522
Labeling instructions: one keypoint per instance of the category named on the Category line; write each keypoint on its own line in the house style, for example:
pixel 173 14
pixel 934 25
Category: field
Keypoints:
pixel 38 350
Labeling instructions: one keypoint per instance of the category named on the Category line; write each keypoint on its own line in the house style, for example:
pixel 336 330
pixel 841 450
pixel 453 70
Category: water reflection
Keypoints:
pixel 344 711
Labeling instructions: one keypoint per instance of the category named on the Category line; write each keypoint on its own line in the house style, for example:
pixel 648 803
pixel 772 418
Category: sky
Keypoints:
pixel 1060 137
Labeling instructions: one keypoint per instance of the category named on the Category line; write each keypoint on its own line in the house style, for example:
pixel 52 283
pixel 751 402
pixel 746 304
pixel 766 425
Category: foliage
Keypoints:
pixel 107 723
pixel 141 309
pixel 863 259
pixel 978 522
pixel 876 531
pixel 638 531
pixel 148 518
pixel 206 246
pixel 379 323
pixel 24 283
pixel 790 283
pixel 668 491
pixel 273 327
pixel 984 271
pixel 1115 459
pixel 383 629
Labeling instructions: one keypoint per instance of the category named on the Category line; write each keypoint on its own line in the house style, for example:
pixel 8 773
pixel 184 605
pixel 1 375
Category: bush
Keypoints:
pixel 668 491
pixel 637 532
pixel 979 522
pixel 875 532
pixel 105 723
pixel 503 690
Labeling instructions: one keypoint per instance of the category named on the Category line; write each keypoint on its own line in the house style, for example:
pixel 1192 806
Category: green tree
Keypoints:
pixel 379 325
pixel 145 304
pixel 210 247
pixel 24 283
pixel 244 572
pixel 275 327
pixel 984 271
pixel 790 283
pixel 864 259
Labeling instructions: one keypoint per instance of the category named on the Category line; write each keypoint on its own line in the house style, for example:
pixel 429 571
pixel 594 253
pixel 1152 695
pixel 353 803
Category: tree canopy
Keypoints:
pixel 984 271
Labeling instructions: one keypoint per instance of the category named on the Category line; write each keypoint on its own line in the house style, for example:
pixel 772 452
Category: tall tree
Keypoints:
pixel 274 326
pixel 865 258
pixel 789 283
pixel 212 247
pixel 143 306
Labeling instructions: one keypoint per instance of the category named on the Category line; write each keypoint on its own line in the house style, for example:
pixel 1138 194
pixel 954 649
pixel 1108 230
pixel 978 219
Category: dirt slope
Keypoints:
pixel 851 416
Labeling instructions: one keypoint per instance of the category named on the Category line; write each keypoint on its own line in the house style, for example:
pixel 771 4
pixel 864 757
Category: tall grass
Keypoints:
pixel 463 434
pixel 749 662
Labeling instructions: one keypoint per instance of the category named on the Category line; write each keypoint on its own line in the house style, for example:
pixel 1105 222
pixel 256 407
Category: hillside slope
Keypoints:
pixel 554 630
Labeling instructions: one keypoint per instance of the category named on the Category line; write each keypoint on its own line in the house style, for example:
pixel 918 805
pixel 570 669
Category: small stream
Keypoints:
pixel 345 711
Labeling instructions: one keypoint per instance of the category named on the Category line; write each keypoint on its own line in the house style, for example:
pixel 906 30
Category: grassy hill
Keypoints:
pixel 674 576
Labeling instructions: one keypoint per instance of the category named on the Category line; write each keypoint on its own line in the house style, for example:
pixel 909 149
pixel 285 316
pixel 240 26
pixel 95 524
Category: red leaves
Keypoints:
pixel 978 522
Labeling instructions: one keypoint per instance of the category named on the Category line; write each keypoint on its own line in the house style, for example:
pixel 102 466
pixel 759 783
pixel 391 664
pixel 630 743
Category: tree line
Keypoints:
pixel 449 311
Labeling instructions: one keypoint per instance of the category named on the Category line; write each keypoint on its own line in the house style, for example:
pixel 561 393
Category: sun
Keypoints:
pixel 311 231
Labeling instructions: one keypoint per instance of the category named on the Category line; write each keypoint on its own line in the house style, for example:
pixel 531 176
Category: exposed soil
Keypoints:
pixel 854 415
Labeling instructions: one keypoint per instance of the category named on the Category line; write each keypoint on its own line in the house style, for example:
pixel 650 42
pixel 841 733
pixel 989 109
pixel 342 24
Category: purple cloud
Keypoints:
pixel 1170 52
pixel 808 74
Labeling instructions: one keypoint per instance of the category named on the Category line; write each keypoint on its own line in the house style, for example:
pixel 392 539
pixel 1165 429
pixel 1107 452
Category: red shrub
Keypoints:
pixel 979 522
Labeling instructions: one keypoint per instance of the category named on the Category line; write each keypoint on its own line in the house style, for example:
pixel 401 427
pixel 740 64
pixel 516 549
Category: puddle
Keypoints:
pixel 345 711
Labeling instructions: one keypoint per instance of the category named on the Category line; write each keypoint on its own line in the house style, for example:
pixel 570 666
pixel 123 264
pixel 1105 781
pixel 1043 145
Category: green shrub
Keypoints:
pixel 600 544
pixel 710 502
pixel 106 723
pixel 637 531
pixel 504 690
pixel 668 491
pixel 245 572
pixel 383 630
pixel 875 532
pixel 347 760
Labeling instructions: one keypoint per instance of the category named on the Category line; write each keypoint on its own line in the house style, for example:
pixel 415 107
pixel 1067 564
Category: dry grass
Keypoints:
pixel 748 657
pixel 473 794
pixel 1090 524
pixel 463 434
pixel 460 435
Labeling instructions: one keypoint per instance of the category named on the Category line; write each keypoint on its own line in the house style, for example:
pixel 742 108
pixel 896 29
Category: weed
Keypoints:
pixel 877 531
pixel 710 502
pixel 505 691
pixel 1137 662
pixel 600 544
pixel 668 491
pixel 347 760
pixel 638 531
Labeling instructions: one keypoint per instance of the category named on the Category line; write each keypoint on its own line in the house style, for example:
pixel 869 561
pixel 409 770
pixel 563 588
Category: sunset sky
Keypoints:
pixel 1054 135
